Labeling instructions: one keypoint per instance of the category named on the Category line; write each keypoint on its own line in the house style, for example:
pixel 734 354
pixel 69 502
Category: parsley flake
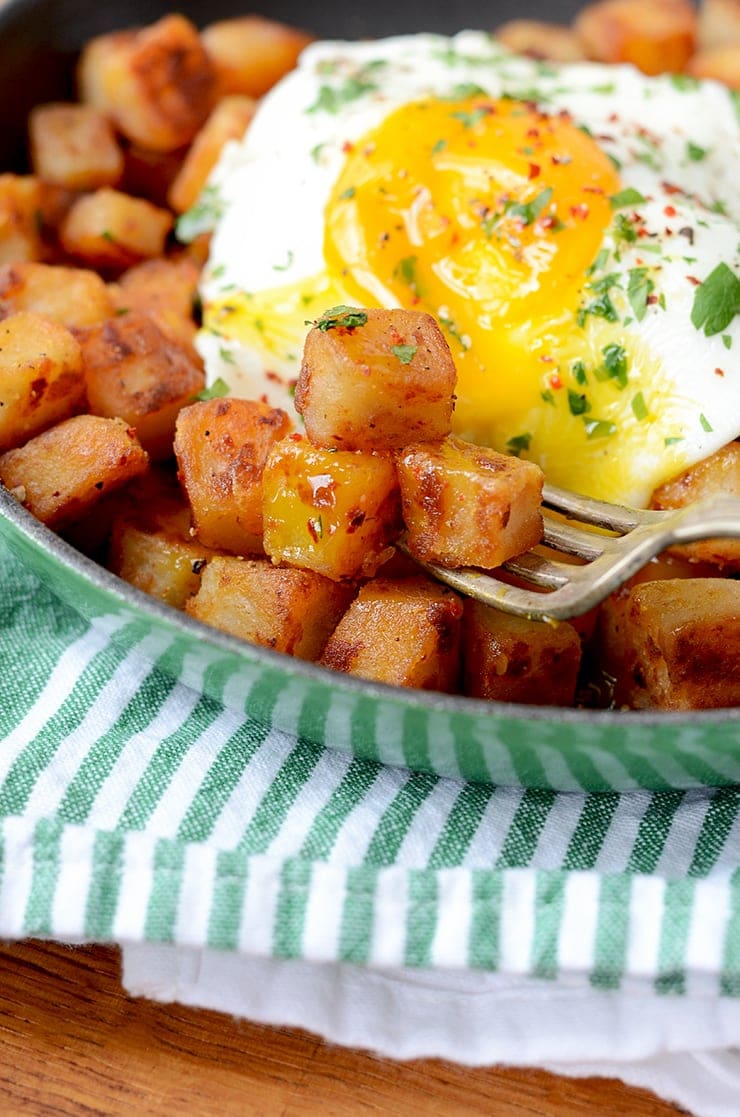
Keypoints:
pixel 639 407
pixel 639 287
pixel 340 317
pixel 716 301
pixel 216 390
pixel 405 353
pixel 518 443
pixel 627 197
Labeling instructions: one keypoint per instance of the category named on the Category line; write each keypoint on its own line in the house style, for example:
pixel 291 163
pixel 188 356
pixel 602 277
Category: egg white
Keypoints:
pixel 676 143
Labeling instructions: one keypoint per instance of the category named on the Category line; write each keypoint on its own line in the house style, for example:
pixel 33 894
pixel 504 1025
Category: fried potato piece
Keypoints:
pixel 133 371
pixel 61 473
pixel 541 40
pixel 75 297
pixel 150 174
pixel 250 53
pixel 166 289
pixel 715 475
pixel 111 230
pixel 228 121
pixel 466 505
pixel 717 64
pixel 657 37
pixel 674 644
pixel 156 83
pixel 289 610
pixel 41 379
pixel 512 659
pixel 74 146
pixel 335 512
pixel 21 204
pixel 375 380
pixel 404 633
pixel 719 24
pixel 221 446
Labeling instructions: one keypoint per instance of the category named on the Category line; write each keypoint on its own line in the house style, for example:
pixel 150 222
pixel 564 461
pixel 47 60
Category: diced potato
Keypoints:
pixel 61 473
pixel 228 121
pixel 717 474
pixel 73 296
pixel 133 371
pixel 541 40
pixel 289 610
pixel 41 379
pixel 155 83
pixel 166 289
pixel 719 23
pixel 512 659
pixel 74 146
pixel 656 37
pixel 718 64
pixel 335 512
pixel 221 446
pixel 250 53
pixel 466 505
pixel 404 633
pixel 150 174
pixel 675 644
pixel 378 384
pixel 111 230
pixel 21 204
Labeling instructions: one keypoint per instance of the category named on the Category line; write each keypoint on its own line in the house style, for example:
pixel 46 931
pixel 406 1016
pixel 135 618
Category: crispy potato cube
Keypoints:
pixel 541 40
pixel 717 474
pixel 466 505
pixel 228 121
pixel 719 23
pixel 111 230
pixel 403 632
pixel 21 204
pixel 377 385
pixel 674 644
pixel 250 53
pixel 657 37
pixel 133 371
pixel 289 610
pixel 61 473
pixel 335 512
pixel 155 83
pixel 221 446
pixel 150 174
pixel 73 296
pixel 718 64
pixel 41 379
pixel 166 289
pixel 74 146
pixel 513 659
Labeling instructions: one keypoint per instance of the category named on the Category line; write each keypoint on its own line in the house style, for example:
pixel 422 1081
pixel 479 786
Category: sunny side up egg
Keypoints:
pixel 573 229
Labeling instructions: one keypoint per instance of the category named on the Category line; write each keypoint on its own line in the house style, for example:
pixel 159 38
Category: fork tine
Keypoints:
pixel 600 513
pixel 573 540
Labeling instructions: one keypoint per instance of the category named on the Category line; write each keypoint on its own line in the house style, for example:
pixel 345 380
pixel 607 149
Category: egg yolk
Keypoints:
pixel 488 214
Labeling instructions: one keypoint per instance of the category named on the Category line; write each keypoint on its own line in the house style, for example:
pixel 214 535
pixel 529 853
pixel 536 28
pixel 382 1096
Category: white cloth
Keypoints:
pixel 680 1048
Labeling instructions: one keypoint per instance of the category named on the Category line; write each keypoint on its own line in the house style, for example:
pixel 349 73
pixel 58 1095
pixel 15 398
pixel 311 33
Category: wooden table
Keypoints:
pixel 73 1044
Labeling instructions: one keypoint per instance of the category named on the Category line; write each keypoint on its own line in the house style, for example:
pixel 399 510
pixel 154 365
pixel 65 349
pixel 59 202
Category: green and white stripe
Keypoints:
pixel 135 809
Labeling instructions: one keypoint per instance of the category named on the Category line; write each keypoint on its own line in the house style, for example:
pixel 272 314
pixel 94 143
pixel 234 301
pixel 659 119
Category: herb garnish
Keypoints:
pixel 405 353
pixel 716 301
pixel 340 317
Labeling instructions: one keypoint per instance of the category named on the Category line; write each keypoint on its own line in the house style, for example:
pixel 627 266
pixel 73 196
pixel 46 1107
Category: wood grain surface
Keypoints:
pixel 73 1044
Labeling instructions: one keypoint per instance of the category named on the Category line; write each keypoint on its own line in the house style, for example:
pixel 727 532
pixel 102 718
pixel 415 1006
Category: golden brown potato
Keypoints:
pixel 375 380
pixel 674 644
pixel 61 473
pixel 21 203
pixel 73 296
pixel 112 230
pixel 541 40
pixel 221 446
pixel 657 37
pixel 512 659
pixel 74 146
pixel 41 379
pixel 133 371
pixel 465 505
pixel 166 289
pixel 150 174
pixel 228 121
pixel 249 53
pixel 717 474
pixel 335 512
pixel 719 23
pixel 718 64
pixel 404 633
pixel 155 83
pixel 289 610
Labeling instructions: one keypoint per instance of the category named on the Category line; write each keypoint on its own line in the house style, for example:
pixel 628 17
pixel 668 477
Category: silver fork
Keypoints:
pixel 610 560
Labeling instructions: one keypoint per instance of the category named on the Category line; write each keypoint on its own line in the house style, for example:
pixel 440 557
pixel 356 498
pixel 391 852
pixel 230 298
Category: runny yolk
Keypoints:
pixel 488 214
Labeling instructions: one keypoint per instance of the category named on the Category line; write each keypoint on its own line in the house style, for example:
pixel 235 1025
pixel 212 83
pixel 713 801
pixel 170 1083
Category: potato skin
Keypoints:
pixel 75 297
pixel 250 53
pixel 656 37
pixel 74 146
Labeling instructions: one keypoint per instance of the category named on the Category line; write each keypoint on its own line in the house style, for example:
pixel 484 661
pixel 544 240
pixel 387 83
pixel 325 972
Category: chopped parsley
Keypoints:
pixel 578 369
pixel 695 153
pixel 705 424
pixel 216 390
pixel 286 265
pixel 639 407
pixel 639 287
pixel 518 443
pixel 578 403
pixel 470 119
pixel 528 212
pixel 627 197
pixel 615 365
pixel 602 307
pixel 340 317
pixel 405 353
pixel 202 217
pixel 333 98
pixel 405 270
pixel 716 301
pixel 599 428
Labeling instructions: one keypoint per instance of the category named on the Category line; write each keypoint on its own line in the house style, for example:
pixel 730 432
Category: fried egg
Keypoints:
pixel 574 229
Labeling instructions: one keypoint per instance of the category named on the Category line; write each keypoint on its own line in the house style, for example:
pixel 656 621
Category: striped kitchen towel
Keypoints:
pixel 135 810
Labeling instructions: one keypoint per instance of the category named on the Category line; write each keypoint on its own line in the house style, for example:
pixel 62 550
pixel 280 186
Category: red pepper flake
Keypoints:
pixel 554 380
pixel 693 280
pixel 581 210
pixel 295 437
pixel 561 160
pixel 651 300
pixel 669 211
pixel 313 530
pixel 549 221
pixel 534 170
pixel 669 188
pixel 719 372
pixel 593 189
pixel 546 358
pixel 533 133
